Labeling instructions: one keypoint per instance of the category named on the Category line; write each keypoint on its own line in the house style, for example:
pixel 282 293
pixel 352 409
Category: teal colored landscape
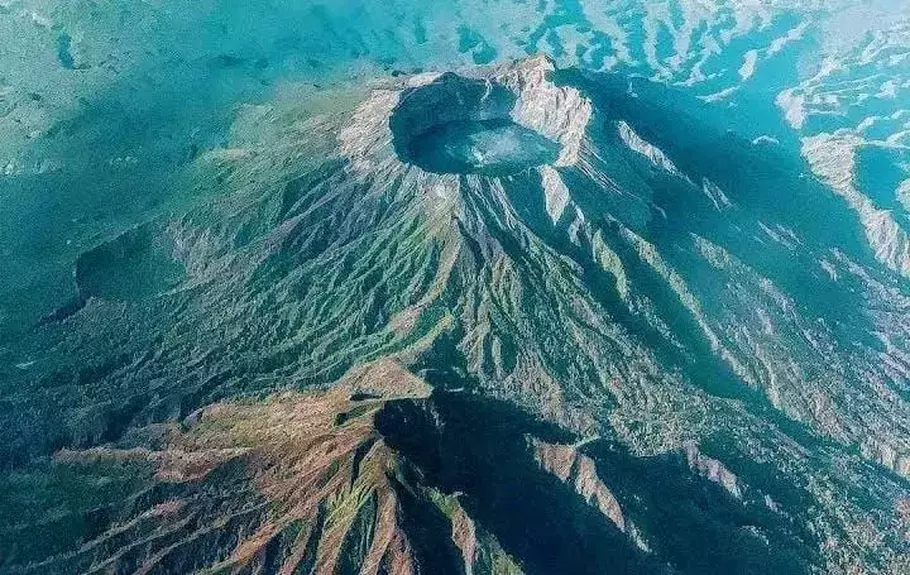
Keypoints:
pixel 468 286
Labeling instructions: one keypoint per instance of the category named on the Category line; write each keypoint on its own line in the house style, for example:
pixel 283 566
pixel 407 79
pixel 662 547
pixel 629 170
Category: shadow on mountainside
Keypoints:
pixel 479 448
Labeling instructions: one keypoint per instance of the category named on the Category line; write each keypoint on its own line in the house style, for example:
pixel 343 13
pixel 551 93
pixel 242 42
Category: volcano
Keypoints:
pixel 509 319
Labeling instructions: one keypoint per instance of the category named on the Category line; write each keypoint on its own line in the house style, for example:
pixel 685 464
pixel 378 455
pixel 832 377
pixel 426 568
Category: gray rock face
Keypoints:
pixel 547 122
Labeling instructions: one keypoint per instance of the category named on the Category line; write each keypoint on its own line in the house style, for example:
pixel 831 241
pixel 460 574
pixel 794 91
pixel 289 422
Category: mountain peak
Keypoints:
pixel 492 122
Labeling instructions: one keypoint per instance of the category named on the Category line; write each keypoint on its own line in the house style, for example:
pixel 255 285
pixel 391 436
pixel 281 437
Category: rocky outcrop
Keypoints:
pixel 833 159
pixel 579 471
pixel 712 469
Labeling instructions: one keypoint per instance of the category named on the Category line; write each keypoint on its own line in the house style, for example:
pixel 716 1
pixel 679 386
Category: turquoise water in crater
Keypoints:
pixel 489 147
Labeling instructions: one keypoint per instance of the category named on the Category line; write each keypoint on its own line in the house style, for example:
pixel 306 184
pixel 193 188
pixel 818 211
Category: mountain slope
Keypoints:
pixel 712 348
